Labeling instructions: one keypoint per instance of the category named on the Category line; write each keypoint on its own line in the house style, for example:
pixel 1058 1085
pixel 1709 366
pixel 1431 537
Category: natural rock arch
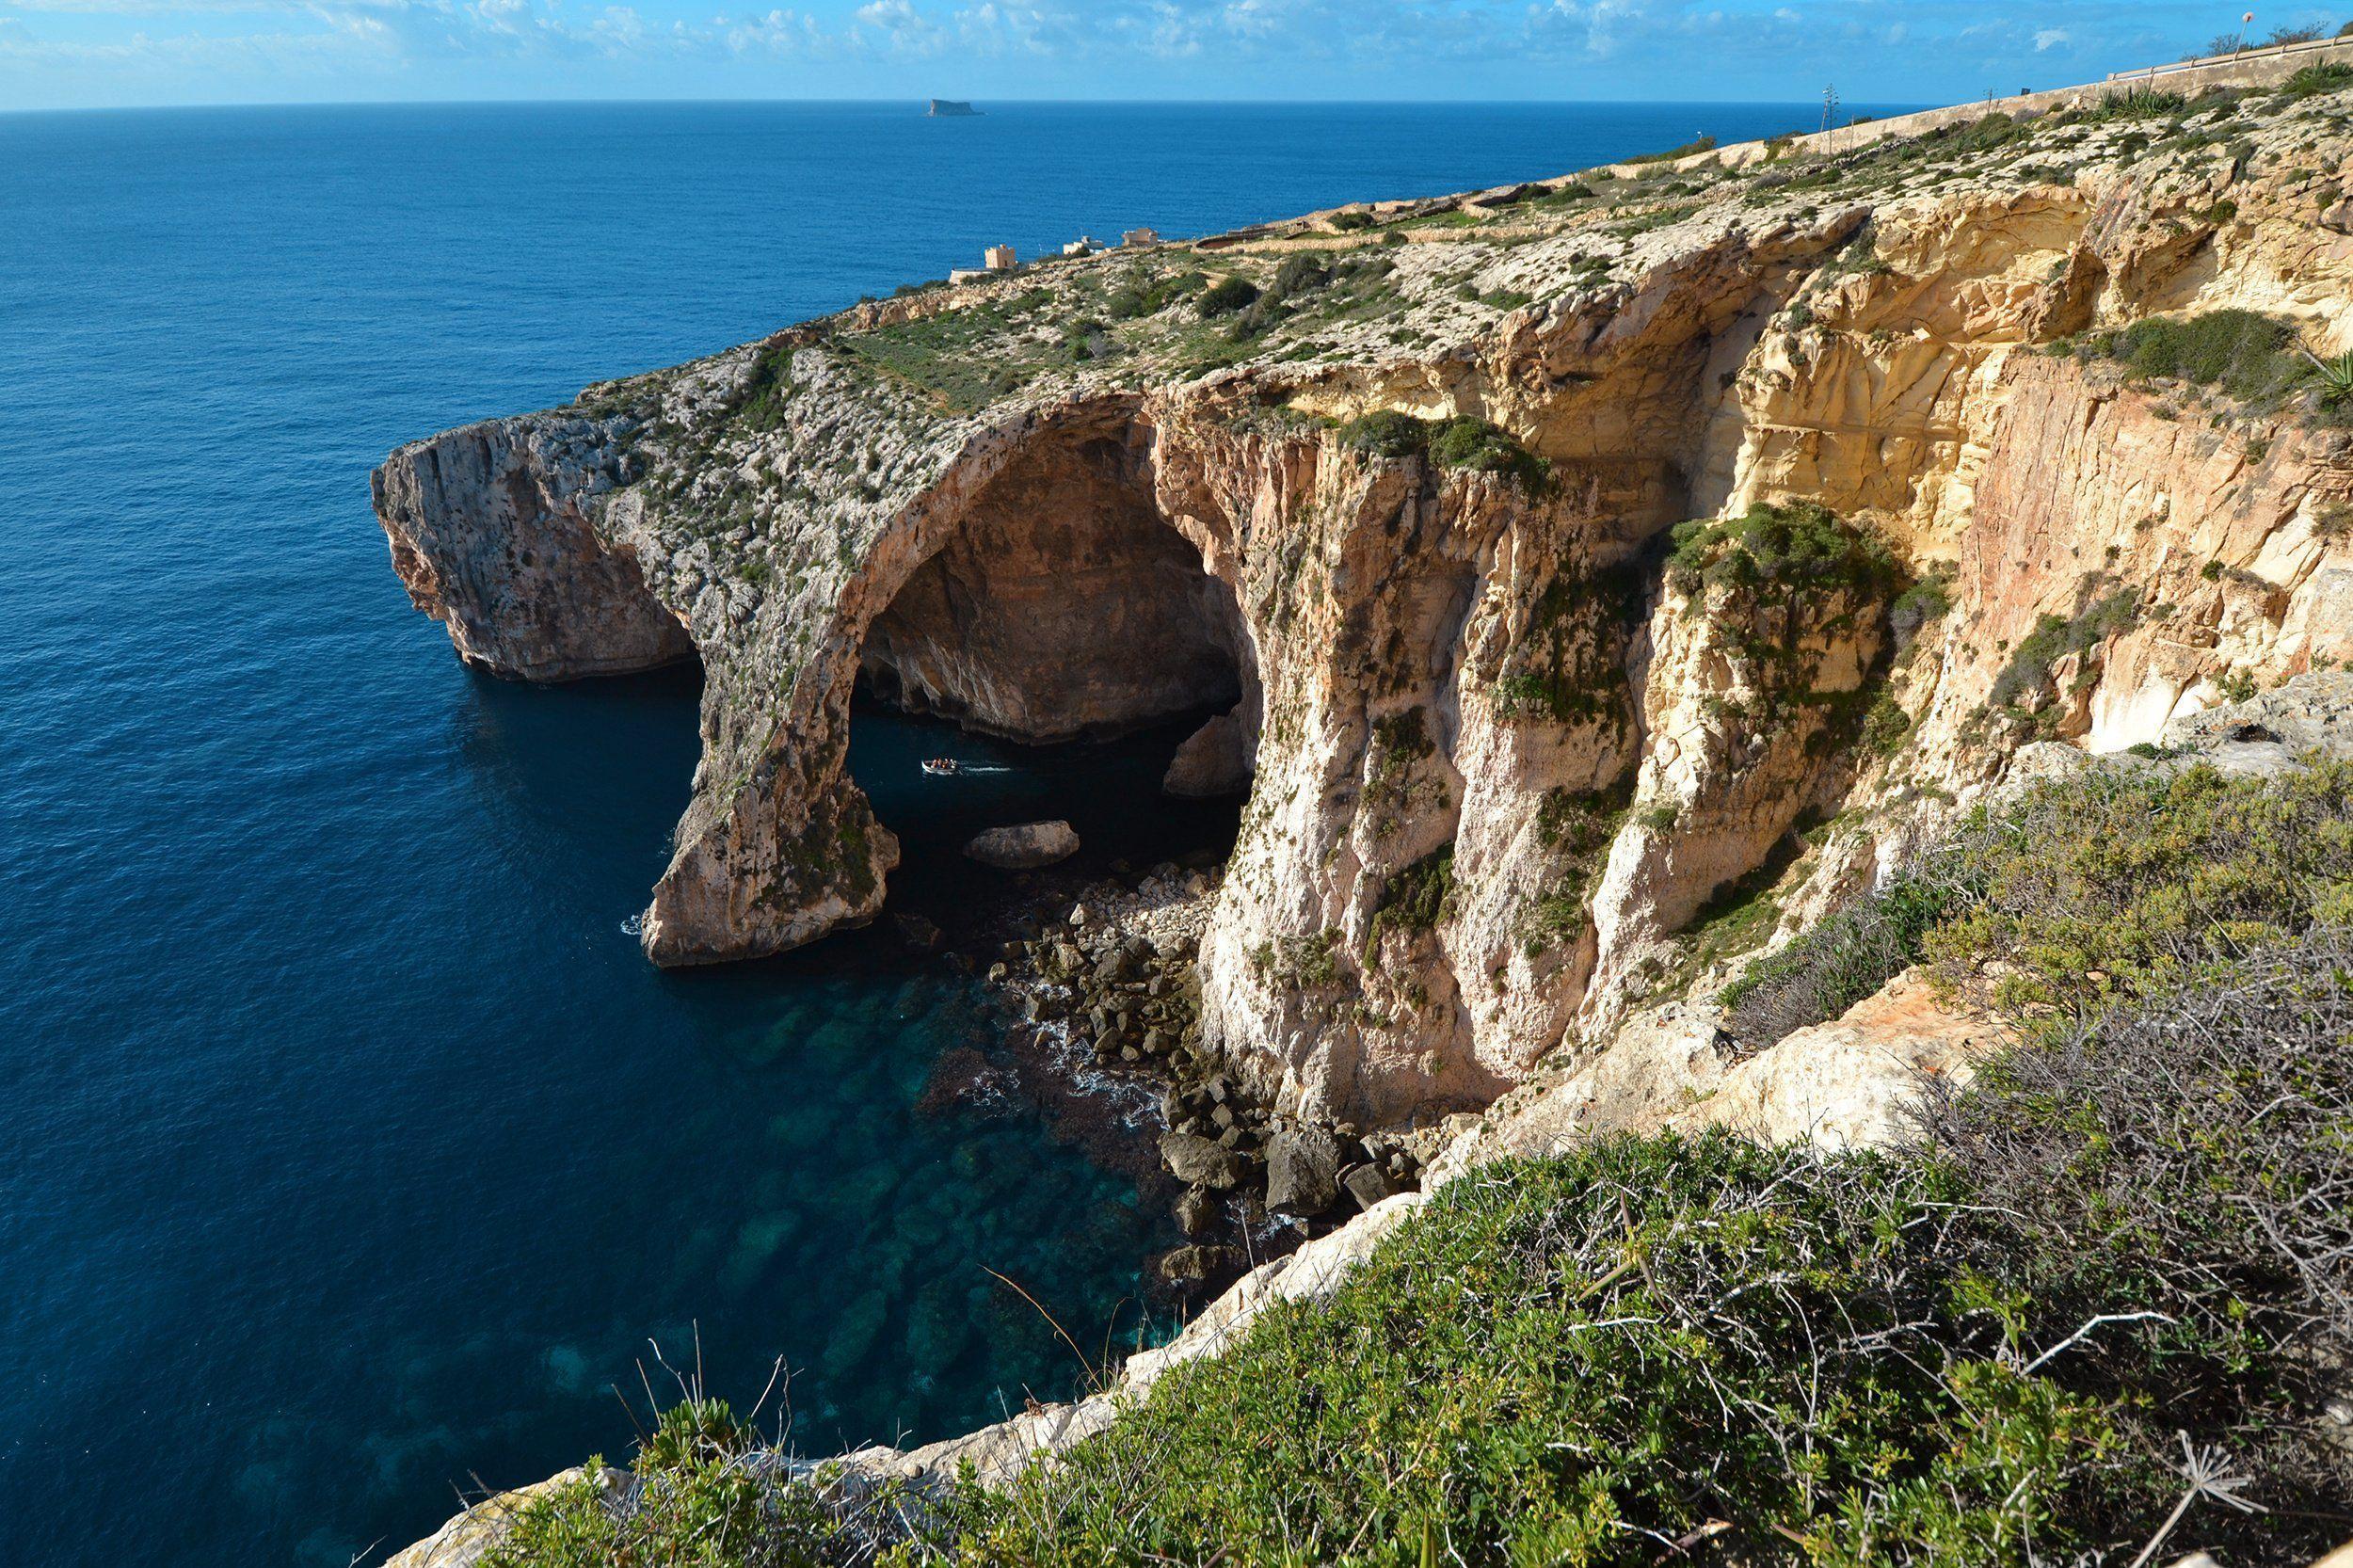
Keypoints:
pixel 1034 590
pixel 1063 604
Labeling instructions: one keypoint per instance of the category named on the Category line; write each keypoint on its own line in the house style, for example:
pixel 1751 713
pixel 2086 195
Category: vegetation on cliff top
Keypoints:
pixel 1801 545
pixel 2091 1313
pixel 2252 357
pixel 2119 882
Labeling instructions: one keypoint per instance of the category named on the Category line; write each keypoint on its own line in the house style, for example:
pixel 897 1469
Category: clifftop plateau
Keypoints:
pixel 1397 482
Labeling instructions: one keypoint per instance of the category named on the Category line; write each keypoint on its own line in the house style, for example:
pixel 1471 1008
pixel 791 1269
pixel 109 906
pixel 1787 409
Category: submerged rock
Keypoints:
pixel 1024 847
pixel 1195 1212
pixel 1181 1267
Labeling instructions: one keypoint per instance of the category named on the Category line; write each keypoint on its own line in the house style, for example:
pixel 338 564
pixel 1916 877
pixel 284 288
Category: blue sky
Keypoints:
pixel 83 53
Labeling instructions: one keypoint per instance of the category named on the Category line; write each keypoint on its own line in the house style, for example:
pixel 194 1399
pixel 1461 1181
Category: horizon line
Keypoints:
pixel 979 103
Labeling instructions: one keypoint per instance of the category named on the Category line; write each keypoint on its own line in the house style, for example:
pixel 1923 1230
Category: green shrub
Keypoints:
pixel 2126 883
pixel 2115 882
pixel 1846 956
pixel 1801 545
pixel 1386 433
pixel 1474 443
pixel 1350 221
pixel 1228 295
pixel 1690 149
pixel 708 1495
pixel 1415 899
pixel 2173 1175
pixel 1462 442
pixel 1146 296
pixel 2056 637
pixel 2315 79
pixel 766 390
pixel 1924 601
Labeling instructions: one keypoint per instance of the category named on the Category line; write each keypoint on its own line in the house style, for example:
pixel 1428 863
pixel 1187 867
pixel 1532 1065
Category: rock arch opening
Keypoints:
pixel 1061 607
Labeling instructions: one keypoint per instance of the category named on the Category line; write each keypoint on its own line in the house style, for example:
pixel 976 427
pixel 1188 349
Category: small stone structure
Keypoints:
pixel 1140 236
pixel 1000 258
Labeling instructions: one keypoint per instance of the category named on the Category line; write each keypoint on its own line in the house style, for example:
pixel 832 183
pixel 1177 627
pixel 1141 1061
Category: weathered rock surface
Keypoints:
pixel 1215 759
pixel 1303 1172
pixel 1025 846
pixel 1507 780
pixel 470 1537
pixel 491 530
pixel 1204 1162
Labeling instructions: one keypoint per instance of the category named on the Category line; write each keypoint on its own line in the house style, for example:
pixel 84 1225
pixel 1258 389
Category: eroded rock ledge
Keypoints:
pixel 1513 768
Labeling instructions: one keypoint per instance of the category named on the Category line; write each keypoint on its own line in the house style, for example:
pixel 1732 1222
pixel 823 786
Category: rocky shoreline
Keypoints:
pixel 1104 982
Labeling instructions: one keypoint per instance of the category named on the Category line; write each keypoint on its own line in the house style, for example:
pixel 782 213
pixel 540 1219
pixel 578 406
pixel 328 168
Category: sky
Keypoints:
pixel 76 53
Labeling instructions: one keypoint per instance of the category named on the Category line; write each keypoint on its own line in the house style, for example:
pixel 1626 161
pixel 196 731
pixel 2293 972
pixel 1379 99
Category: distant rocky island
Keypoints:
pixel 946 108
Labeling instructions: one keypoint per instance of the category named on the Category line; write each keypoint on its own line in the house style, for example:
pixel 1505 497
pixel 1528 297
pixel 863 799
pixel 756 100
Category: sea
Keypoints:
pixel 352 1159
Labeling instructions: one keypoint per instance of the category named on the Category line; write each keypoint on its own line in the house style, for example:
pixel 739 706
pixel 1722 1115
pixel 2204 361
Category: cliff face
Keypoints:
pixel 1518 766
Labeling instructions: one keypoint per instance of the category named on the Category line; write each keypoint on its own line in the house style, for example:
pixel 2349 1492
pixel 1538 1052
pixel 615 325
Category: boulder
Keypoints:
pixel 1196 1211
pixel 1201 1161
pixel 1024 846
pixel 1365 1184
pixel 1303 1172
pixel 1192 1265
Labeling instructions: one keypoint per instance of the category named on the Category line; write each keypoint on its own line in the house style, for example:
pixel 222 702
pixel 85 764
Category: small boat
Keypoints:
pixel 941 767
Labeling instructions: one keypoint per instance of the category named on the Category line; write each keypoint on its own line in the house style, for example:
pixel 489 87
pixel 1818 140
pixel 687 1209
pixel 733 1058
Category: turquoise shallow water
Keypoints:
pixel 348 1150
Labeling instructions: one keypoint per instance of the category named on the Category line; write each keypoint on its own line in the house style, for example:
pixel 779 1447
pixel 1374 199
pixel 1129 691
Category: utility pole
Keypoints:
pixel 1830 108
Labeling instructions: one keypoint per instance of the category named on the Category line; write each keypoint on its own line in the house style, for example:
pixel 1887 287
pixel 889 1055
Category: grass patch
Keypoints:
pixel 965 359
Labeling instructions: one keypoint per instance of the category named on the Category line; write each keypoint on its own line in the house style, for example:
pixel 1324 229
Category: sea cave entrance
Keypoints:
pixel 1068 646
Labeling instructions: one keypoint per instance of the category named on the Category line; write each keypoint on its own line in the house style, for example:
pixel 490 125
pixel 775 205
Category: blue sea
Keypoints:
pixel 351 1157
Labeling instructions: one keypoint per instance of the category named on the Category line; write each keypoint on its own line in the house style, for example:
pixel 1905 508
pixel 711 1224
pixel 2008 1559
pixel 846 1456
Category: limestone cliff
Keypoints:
pixel 1396 484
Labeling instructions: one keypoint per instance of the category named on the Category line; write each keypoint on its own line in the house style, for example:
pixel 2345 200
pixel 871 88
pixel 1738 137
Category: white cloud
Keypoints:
pixel 1612 48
